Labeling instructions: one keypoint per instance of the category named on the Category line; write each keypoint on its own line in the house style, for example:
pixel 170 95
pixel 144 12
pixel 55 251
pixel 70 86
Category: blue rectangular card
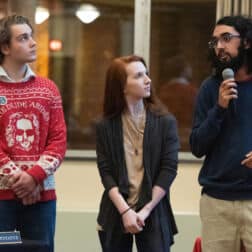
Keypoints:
pixel 13 237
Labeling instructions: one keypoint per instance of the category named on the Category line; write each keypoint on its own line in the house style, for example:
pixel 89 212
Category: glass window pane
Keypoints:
pixel 79 54
pixel 178 59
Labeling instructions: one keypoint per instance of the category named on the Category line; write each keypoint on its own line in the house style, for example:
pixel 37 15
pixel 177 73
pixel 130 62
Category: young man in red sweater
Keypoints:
pixel 32 137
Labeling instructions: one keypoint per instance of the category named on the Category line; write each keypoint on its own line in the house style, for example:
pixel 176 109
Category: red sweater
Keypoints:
pixel 32 133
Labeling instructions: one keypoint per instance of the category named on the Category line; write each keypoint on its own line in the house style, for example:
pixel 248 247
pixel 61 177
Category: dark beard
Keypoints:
pixel 234 63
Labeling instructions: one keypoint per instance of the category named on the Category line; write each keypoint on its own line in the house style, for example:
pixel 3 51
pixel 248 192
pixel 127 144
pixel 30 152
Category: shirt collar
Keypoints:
pixel 5 77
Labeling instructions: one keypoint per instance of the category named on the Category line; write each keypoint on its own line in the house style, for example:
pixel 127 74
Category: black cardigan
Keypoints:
pixel 160 158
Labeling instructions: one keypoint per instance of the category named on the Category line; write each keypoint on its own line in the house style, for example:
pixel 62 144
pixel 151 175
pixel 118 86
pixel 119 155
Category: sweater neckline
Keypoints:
pixel 19 82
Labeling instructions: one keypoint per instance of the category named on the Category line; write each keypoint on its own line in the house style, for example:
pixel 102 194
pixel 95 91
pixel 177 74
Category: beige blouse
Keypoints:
pixel 133 133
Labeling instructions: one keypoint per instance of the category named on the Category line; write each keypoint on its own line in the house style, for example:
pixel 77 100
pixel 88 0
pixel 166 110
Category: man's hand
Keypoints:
pixel 4 180
pixel 248 160
pixel 33 197
pixel 22 184
pixel 227 92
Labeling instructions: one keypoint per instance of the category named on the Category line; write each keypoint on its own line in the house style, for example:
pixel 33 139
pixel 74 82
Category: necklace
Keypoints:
pixel 134 130
pixel 136 151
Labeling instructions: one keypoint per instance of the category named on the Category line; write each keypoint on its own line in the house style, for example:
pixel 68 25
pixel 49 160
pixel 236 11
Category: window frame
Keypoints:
pixel 142 15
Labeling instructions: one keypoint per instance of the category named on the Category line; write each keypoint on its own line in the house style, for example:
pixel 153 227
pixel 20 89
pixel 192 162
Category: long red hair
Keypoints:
pixel 116 78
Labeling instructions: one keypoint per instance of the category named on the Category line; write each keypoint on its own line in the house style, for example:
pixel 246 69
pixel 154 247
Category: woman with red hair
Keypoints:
pixel 137 156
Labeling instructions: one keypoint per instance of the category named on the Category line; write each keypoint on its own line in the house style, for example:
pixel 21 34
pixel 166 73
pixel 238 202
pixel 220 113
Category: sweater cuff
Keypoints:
pixel 37 173
pixel 108 182
pixel 220 112
pixel 165 184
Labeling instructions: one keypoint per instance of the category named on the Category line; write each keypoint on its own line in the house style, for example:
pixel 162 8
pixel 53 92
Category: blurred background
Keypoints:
pixel 76 42
pixel 78 39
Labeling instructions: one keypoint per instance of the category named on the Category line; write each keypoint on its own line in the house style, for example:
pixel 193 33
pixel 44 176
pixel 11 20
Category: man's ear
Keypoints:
pixel 5 49
pixel 247 45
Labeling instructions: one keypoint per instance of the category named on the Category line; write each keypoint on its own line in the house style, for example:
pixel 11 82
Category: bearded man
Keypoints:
pixel 222 133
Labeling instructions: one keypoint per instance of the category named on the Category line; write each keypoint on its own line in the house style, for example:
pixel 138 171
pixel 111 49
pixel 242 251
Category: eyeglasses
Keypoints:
pixel 224 39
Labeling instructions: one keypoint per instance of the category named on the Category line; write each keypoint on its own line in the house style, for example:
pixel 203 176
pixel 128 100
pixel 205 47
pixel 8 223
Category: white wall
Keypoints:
pixel 79 190
pixel 79 187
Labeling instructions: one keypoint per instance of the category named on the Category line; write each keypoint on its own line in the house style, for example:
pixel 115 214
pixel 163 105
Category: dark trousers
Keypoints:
pixel 149 240
pixel 35 222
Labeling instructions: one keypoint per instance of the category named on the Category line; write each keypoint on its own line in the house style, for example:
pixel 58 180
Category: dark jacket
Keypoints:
pixel 224 137
pixel 160 158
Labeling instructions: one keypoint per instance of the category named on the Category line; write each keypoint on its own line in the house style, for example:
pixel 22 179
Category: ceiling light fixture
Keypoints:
pixel 87 13
pixel 41 15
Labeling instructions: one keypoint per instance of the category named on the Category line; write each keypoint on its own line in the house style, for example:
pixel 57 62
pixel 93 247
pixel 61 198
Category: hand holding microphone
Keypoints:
pixel 228 89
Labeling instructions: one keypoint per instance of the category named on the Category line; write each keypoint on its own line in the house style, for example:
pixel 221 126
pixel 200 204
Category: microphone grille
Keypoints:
pixel 227 73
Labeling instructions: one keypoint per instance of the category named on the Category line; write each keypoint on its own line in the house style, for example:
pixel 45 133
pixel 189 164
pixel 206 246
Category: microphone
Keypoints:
pixel 228 73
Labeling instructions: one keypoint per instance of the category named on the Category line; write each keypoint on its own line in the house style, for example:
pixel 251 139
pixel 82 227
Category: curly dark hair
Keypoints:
pixel 243 25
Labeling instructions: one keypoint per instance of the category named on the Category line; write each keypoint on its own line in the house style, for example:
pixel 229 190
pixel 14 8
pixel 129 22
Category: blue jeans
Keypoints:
pixel 35 222
pixel 150 240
